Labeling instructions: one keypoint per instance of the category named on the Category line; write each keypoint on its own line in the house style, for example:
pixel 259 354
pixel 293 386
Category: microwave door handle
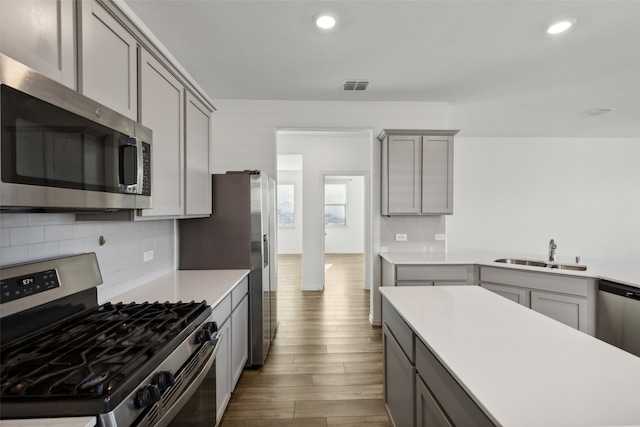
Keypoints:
pixel 137 142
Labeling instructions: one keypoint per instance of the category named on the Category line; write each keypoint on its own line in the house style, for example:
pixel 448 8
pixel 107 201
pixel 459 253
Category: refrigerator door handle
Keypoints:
pixel 265 250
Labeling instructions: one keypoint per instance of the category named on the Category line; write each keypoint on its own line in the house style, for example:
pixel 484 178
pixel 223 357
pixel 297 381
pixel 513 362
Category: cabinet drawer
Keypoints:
pixel 543 281
pixel 239 292
pixel 400 330
pixel 222 311
pixel 431 272
pixel 457 404
pixel 414 283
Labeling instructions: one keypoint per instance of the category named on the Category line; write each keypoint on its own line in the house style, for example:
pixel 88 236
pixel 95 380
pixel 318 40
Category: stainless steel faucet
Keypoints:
pixel 552 250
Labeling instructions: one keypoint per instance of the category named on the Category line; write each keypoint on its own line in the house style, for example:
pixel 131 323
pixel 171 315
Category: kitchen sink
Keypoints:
pixel 543 264
pixel 574 267
pixel 518 261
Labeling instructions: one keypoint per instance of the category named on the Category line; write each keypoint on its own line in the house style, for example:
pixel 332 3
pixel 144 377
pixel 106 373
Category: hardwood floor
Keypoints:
pixel 324 368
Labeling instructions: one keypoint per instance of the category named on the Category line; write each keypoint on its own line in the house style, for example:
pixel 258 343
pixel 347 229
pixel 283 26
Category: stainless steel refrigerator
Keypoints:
pixel 240 234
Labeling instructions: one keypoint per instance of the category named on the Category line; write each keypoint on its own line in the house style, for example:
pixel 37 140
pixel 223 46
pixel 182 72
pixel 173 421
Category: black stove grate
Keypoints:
pixel 96 353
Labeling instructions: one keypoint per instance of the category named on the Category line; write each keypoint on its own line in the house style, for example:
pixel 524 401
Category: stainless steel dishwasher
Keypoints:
pixel 619 316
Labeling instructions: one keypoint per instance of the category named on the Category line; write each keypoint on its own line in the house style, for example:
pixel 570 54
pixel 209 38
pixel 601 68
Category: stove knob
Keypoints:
pixel 211 327
pixel 164 380
pixel 202 335
pixel 147 396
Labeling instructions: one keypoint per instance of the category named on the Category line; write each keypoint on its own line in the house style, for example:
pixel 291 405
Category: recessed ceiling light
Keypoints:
pixel 561 26
pixel 325 20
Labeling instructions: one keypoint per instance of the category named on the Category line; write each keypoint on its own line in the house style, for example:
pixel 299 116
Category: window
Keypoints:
pixel 286 205
pixel 335 203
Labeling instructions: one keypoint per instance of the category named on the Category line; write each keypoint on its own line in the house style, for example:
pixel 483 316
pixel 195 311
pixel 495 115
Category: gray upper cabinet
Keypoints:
pixel 46 44
pixel 198 177
pixel 417 172
pixel 162 110
pixel 109 60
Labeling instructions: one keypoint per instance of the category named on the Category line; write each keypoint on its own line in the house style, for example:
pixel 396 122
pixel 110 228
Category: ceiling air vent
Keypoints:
pixel 597 112
pixel 355 85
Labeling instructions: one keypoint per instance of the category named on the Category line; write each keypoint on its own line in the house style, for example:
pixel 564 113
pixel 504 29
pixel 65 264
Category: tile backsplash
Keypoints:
pixel 32 237
pixel 420 231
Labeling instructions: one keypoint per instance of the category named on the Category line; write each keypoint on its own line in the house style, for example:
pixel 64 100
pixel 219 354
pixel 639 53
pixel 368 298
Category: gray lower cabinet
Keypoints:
pixel 565 298
pixel 399 370
pixel 418 390
pixel 446 402
pixel 568 309
pixel 232 316
pixel 239 332
pixel 427 274
pixel 428 412
pixel 518 295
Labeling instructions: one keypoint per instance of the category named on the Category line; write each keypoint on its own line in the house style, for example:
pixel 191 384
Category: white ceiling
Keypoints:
pixel 492 61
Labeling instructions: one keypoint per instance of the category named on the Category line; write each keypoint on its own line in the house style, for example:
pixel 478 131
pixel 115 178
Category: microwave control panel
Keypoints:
pixel 23 286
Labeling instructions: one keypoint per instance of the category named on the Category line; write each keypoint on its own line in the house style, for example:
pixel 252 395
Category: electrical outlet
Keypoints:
pixel 440 237
pixel 401 237
pixel 148 256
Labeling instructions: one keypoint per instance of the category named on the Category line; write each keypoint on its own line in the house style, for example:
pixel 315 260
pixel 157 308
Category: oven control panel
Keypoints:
pixel 23 286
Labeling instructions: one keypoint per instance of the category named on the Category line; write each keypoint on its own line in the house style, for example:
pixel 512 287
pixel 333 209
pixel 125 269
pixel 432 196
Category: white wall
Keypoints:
pixel 33 237
pixel 514 194
pixel 350 238
pixel 244 132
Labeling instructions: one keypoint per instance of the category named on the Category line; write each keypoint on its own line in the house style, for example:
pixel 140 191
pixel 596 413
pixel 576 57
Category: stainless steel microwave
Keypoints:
pixel 61 151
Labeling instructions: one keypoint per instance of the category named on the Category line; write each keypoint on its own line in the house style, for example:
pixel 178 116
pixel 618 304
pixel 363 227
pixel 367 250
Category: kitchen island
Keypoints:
pixel 515 367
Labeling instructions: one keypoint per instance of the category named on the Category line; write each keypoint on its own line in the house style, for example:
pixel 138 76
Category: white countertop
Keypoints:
pixel 521 367
pixel 186 285
pixel 621 272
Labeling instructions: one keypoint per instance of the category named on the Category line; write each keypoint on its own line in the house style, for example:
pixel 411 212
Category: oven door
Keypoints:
pixel 191 394
pixel 200 408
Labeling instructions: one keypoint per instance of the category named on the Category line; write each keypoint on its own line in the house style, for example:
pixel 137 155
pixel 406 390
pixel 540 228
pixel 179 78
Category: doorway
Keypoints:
pixel 344 228
pixel 346 153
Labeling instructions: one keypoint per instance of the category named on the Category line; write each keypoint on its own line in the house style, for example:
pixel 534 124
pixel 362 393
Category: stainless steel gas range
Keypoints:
pixel 64 355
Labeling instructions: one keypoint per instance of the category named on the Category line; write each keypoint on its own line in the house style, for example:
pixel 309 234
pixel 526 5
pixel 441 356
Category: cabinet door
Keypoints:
pixel 399 382
pixel 428 412
pixel 521 296
pixel 404 174
pixel 162 110
pixel 46 44
pixel 239 339
pixel 437 175
pixel 198 178
pixel 567 309
pixel 108 61
pixel 223 370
